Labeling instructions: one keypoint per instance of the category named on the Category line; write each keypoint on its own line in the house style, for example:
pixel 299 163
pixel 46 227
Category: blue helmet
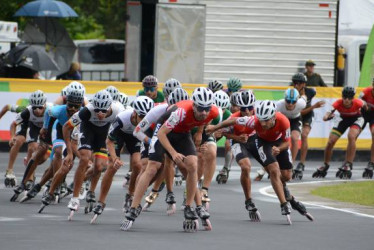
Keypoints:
pixel 291 95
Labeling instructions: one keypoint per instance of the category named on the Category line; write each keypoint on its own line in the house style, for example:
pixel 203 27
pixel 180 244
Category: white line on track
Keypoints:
pixel 263 191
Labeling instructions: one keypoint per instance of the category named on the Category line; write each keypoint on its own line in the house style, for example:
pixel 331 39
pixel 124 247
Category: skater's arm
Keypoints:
pixel 66 132
pixel 227 123
pixel 4 110
pixel 329 115
pixel 12 129
pixel 314 106
pixel 197 137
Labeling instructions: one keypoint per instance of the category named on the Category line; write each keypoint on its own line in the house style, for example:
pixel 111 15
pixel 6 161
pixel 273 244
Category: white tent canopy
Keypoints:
pixel 356 17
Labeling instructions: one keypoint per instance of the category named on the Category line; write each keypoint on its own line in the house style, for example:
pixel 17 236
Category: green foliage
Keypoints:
pixel 97 18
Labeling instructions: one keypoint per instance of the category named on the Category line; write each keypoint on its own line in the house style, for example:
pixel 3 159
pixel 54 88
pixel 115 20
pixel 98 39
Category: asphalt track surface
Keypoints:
pixel 21 227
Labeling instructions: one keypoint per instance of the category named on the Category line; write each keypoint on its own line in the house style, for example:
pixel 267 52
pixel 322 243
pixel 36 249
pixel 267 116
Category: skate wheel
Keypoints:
pixel 255 216
pixel 207 225
pixel 70 217
pixel 93 220
pixel 14 198
pixel 41 209
pixel 206 206
pixel 289 219
pixel 126 225
pixel 309 216
pixel 57 199
pixel 146 206
pixel 171 209
pixel 86 210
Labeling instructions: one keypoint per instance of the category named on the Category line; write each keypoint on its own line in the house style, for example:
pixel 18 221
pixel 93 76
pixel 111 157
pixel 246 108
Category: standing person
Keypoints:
pixel 350 118
pixel 174 139
pixel 72 74
pixel 291 106
pixel 150 89
pixel 307 114
pixel 368 96
pixel 94 120
pixel 313 79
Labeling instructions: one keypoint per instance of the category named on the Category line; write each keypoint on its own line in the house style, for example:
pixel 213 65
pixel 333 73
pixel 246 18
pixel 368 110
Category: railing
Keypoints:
pixel 103 75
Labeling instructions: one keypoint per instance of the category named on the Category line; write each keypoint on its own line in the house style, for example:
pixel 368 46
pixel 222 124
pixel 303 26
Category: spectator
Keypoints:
pixel 72 74
pixel 313 79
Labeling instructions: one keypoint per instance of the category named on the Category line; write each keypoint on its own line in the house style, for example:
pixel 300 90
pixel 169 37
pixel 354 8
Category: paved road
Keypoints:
pixel 22 228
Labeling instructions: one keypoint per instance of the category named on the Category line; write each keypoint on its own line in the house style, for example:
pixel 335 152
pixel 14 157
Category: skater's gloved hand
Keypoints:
pixel 243 138
pixel 328 117
pixel 68 160
pixel 117 163
pixel 178 158
pixel 319 104
pixel 12 142
pixel 275 150
pixel 203 148
pixel 209 129
pixel 43 133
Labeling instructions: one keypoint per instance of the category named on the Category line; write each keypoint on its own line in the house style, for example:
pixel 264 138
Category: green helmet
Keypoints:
pixel 234 84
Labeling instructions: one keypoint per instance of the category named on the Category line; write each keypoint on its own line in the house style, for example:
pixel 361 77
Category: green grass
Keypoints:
pixel 355 192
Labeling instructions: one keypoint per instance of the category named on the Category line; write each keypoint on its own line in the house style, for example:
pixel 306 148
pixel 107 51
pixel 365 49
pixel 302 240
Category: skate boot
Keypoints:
pixel 84 189
pixel 127 202
pixel 254 214
pixel 63 189
pixel 368 172
pixel 190 223
pixel 184 200
pixel 286 210
pixel 46 187
pixel 17 191
pixel 223 176
pixel 32 193
pixel 298 171
pixel 170 200
pixel 57 194
pixel 130 217
pixel 98 210
pixel 10 179
pixel 126 181
pixel 90 202
pixel 345 171
pixel 204 217
pixel 205 198
pixel 46 201
pixel 73 206
pixel 29 184
pixel 321 171
pixel 177 178
pixel 298 206
pixel 150 199
pixel 260 174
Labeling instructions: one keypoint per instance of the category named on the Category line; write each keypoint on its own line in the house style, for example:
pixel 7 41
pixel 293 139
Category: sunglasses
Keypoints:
pixel 201 109
pixel 290 101
pixel 100 110
pixel 37 107
pixel 149 89
pixel 243 109
pixel 72 105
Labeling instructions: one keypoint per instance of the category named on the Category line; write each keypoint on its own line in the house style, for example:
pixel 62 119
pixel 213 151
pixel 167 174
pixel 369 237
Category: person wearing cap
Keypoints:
pixel 313 79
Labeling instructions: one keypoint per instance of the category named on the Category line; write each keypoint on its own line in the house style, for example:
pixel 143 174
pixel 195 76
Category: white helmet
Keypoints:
pixel 177 95
pixel 215 85
pixel 114 93
pixel 142 105
pixel 77 85
pixel 203 97
pixel 234 98
pixel 170 85
pixel 265 110
pixel 123 99
pixel 38 98
pixel 246 99
pixel 221 99
pixel 64 91
pixel 102 100
pixel 75 95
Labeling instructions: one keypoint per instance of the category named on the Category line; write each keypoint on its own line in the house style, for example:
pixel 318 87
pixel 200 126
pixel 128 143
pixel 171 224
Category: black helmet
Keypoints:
pixel 348 92
pixel 298 77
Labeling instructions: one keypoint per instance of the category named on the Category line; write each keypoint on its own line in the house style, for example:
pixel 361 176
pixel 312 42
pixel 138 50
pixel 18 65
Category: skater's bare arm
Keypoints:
pixel 4 110
pixel 314 106
pixel 329 115
pixel 66 131
pixel 227 123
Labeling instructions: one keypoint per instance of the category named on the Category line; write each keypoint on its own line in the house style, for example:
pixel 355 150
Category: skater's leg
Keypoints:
pixel 304 143
pixel 329 147
pixel 85 156
pixel 136 166
pixel 144 180
pixel 35 161
pixel 351 147
pixel 286 175
pixel 190 164
pixel 31 148
pixel 276 182
pixel 159 180
pixel 295 135
pixel 57 158
pixel 210 164
pixel 169 174
pixel 59 177
pixel 19 141
pixel 48 174
pixel 228 155
pixel 372 143
pixel 245 179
